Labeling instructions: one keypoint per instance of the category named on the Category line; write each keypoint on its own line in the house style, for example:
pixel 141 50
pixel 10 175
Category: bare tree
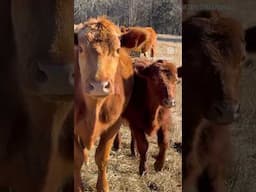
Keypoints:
pixel 163 15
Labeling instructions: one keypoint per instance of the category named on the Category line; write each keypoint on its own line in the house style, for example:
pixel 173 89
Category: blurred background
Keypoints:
pixel 163 15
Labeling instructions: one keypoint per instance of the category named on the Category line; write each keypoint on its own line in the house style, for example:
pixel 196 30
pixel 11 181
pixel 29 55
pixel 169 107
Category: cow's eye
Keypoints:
pixel 167 73
pixel 118 50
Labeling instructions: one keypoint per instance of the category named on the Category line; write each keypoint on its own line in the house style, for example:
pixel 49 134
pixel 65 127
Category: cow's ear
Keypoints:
pixel 122 29
pixel 75 39
pixel 149 72
pixel 179 72
pixel 178 80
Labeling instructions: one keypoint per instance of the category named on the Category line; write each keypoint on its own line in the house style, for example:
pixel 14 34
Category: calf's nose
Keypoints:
pixel 169 102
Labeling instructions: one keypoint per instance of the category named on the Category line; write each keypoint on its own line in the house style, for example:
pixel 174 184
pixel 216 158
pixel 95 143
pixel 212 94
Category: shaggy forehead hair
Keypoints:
pixel 100 34
pixel 220 37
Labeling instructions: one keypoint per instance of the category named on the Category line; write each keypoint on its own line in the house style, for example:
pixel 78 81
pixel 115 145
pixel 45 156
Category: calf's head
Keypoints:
pixel 98 44
pixel 213 51
pixel 161 80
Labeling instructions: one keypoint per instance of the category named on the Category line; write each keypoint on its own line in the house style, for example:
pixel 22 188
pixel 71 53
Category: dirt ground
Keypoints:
pixel 123 169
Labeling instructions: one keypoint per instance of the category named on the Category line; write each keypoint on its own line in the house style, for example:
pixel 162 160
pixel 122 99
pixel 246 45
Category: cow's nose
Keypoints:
pixel 169 102
pixel 106 86
pixel 236 109
pixel 223 112
pixel 99 88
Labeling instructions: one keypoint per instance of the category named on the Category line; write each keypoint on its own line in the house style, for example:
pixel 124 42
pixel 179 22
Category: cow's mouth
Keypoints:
pixel 168 103
pixel 223 113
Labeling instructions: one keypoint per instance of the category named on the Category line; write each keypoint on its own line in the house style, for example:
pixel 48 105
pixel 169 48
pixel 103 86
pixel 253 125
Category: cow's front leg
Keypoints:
pixel 133 145
pixel 117 142
pixel 142 146
pixel 163 142
pixel 102 156
pixel 78 162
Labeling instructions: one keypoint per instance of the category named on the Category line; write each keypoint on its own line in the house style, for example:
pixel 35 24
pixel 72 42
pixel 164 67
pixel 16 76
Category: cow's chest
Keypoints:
pixel 111 109
pixel 157 119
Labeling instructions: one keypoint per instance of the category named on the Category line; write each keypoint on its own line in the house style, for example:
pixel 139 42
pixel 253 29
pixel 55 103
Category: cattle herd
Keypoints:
pixel 111 87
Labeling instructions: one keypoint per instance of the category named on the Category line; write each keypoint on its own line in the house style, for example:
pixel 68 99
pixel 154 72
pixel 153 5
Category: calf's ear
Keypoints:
pixel 149 72
pixel 177 80
pixel 179 72
pixel 123 29
pixel 138 69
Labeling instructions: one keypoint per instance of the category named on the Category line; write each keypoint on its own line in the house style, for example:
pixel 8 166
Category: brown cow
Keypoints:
pixel 137 63
pixel 35 149
pixel 104 80
pixel 148 110
pixel 142 39
pixel 212 53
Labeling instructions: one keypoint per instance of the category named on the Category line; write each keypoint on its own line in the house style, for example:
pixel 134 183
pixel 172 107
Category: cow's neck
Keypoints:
pixel 89 130
pixel 98 103
pixel 191 118
pixel 93 107
pixel 101 113
pixel 152 106
pixel 143 99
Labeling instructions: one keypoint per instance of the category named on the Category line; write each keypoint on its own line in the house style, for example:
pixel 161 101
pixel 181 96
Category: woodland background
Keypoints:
pixel 163 15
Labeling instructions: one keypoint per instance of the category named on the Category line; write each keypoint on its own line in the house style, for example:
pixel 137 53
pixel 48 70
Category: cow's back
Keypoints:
pixel 135 37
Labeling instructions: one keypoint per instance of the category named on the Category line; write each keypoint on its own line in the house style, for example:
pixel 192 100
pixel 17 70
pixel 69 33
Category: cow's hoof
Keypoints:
pixel 143 170
pixel 116 150
pixel 158 165
pixel 116 147
pixel 102 188
pixel 133 155
pixel 143 173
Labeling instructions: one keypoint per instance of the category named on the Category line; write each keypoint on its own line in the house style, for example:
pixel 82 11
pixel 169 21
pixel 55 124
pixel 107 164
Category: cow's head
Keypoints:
pixel 99 45
pixel 213 50
pixel 161 80
pixel 124 29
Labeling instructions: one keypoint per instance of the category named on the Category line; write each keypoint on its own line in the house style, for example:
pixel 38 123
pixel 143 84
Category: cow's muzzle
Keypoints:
pixel 98 88
pixel 170 102
pixel 223 112
pixel 45 78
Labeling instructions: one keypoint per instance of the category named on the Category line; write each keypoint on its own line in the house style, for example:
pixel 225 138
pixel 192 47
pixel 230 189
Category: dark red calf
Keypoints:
pixel 148 111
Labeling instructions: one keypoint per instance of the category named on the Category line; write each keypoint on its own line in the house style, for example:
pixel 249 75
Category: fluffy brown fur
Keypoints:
pixel 147 112
pixel 213 50
pixel 142 39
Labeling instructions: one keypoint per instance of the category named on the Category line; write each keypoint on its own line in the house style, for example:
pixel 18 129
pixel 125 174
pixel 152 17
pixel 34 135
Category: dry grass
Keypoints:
pixel 243 175
pixel 123 169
